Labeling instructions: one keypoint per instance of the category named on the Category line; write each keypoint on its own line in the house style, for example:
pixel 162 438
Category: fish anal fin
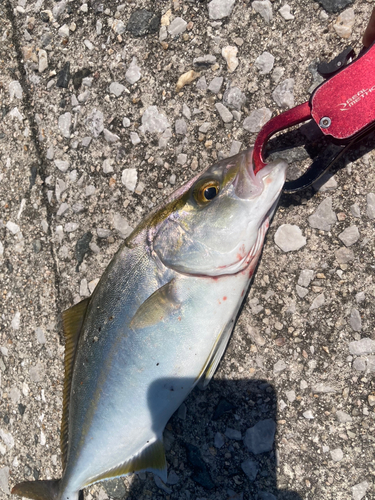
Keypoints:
pixel 157 307
pixel 72 320
pixel 38 490
pixel 216 354
pixel 150 459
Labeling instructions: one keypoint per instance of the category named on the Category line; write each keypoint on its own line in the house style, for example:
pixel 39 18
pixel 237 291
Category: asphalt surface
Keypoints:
pixel 81 162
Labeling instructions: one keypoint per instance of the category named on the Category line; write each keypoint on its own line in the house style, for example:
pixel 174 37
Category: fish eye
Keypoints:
pixel 206 192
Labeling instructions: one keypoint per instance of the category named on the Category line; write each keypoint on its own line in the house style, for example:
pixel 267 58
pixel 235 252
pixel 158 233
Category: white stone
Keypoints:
pixel 15 90
pixel 289 238
pixel 264 8
pixel 116 88
pixel 16 321
pixel 345 23
pixel 230 55
pixel 12 227
pixel 177 26
pixel 43 61
pixel 129 178
pixel 285 12
pixel 218 9
pixel 283 94
pixel 62 165
pixel 64 31
pixel 133 73
pixel 264 63
pixel 257 118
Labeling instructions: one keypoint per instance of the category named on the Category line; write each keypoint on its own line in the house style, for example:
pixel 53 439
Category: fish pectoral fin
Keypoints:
pixel 150 459
pixel 72 320
pixel 157 307
pixel 216 355
pixel 38 490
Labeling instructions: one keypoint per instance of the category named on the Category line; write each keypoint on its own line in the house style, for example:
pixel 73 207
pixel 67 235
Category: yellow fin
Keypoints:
pixel 215 356
pixel 157 307
pixel 38 490
pixel 150 459
pixel 72 323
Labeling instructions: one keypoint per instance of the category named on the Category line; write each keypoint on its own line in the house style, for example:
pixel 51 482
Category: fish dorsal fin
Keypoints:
pixel 157 307
pixel 72 320
pixel 150 459
pixel 216 354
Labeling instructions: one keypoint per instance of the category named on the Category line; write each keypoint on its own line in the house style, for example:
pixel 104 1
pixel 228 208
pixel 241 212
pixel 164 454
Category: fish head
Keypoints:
pixel 212 225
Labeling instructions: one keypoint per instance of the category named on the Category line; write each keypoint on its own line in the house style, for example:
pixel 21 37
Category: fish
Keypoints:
pixel 158 323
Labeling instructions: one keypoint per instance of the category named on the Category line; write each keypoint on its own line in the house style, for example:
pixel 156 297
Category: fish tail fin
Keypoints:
pixel 38 490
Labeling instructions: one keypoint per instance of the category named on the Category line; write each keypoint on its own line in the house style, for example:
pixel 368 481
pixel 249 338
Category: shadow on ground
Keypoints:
pixel 220 444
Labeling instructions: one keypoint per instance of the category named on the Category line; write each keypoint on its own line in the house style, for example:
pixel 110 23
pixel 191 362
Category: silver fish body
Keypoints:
pixel 157 323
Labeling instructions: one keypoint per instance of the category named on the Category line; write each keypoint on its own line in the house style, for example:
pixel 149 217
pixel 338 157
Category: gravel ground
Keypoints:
pixel 104 109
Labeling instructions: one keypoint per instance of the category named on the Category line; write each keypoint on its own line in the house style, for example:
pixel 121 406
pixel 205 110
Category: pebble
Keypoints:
pixel 371 400
pixel 308 414
pixel 349 236
pixel 65 123
pixel 185 79
pixel 337 455
pixel 264 63
pixel 359 364
pixel 173 478
pixel 134 138
pixel 234 98
pixel 177 26
pixel 70 227
pixel 360 297
pixel 86 141
pixel 63 31
pixel 99 27
pixel 118 27
pixel 116 88
pixel 291 396
pixel 182 159
pixel 12 227
pixel 95 122
pixel 153 121
pixel 181 127
pixel 326 183
pixel 15 90
pixel 201 83
pixel 218 9
pixel 129 178
pixel 235 148
pixel 317 302
pixel 230 55
pixel 224 112
pixel 305 277
pixel 355 320
pixel 285 12
pixel 279 367
pixel 159 483
pixel 219 440
pixel 88 44
pixel 359 490
pixel 370 205
pixel 133 73
pixel 14 394
pixel 233 434
pixel 216 84
pixel 343 417
pixel 36 372
pixel 204 61
pixel 283 94
pixel 277 74
pixel 362 347
pixel 250 468
pixel 121 225
pixel 143 22
pixel 345 23
pixel 257 118
pixel 301 291
pixel 334 5
pixel 344 255
pixel 103 232
pixel 110 136
pixel 126 122
pixel 84 96
pixel 62 165
pixel 43 61
pixel 186 111
pixel 260 438
pixel 289 238
pixel 63 76
pixel 324 216
pixel 264 8
pixel 322 388
pixel 4 480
